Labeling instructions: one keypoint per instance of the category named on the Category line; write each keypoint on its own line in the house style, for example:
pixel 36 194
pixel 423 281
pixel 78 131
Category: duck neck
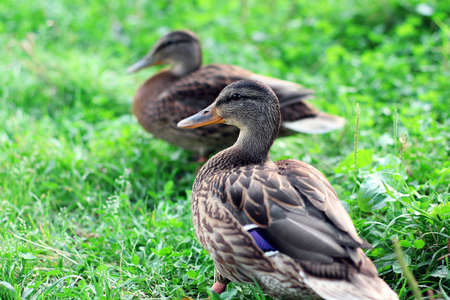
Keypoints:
pixel 189 62
pixel 251 148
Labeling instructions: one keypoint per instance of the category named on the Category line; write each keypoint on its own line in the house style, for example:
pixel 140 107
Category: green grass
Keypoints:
pixel 92 207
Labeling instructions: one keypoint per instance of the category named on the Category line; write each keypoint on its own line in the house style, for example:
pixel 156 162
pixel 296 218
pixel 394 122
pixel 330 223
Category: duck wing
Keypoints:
pixel 316 190
pixel 299 115
pixel 290 207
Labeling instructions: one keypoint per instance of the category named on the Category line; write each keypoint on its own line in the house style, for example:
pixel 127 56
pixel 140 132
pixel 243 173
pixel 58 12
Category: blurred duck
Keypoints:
pixel 277 223
pixel 186 87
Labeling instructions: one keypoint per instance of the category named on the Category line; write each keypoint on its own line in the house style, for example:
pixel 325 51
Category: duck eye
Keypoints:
pixel 236 96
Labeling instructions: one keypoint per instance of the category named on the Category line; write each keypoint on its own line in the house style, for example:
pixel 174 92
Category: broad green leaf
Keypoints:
pixel 102 267
pixel 8 286
pixel 168 187
pixel 191 274
pixel 54 272
pixel 82 283
pixel 363 159
pixel 441 272
pixel 377 252
pixel 418 244
pixel 405 244
pixel 445 209
pixel 397 268
pixel 372 194
pixel 165 251
pixel 442 210
pixel 27 255
pixel 135 260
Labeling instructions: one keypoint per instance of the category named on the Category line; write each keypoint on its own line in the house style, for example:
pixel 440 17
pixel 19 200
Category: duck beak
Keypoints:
pixel 146 61
pixel 205 117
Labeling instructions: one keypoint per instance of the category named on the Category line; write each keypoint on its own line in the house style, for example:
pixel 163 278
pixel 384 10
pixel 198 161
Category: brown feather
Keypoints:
pixel 304 241
pixel 187 87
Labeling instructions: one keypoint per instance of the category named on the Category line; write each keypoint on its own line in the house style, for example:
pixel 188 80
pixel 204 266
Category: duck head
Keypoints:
pixel 247 104
pixel 180 49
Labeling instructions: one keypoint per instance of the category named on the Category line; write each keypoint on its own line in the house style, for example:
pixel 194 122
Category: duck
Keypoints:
pixel 185 87
pixel 279 224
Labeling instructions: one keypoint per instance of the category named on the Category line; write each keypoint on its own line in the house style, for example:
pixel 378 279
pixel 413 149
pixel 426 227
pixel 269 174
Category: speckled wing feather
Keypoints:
pixel 315 187
pixel 279 224
pixel 290 206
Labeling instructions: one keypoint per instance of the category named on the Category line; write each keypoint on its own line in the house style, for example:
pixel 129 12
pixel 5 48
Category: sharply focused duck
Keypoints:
pixel 187 87
pixel 277 223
